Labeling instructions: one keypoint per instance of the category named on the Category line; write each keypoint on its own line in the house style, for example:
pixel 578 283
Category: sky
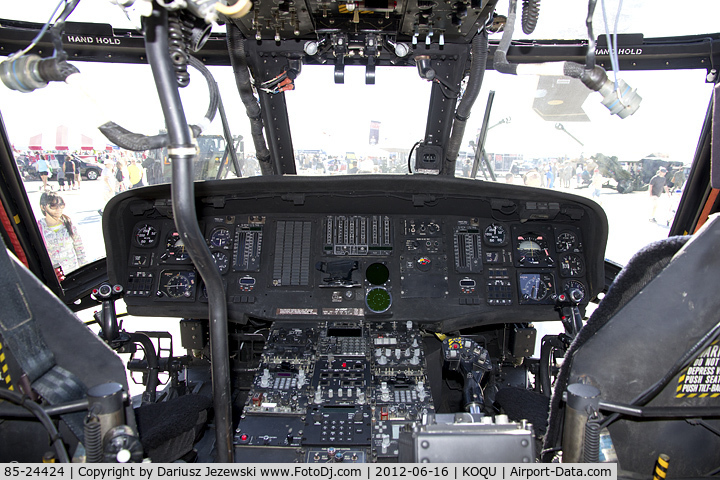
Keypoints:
pixel 336 118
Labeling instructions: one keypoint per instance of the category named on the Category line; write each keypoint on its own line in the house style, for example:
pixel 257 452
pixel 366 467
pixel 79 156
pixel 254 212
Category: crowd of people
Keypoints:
pixel 119 176
pixel 119 172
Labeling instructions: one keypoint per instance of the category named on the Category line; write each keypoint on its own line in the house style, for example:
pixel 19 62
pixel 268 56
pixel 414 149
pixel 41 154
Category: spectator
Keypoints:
pixel 657 185
pixel 43 169
pixel 69 169
pixel 61 237
pixel 61 178
pixel 122 176
pixel 76 161
pixel 107 178
pixel 136 174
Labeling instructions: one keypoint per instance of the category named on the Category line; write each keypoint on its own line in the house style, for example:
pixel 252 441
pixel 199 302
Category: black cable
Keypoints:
pixel 213 88
pixel 180 151
pixel 703 423
pixel 590 58
pixel 452 92
pixel 478 65
pixel 43 417
pixel 410 154
pixel 138 142
pixel 238 60
pixel 658 386
pixel 59 26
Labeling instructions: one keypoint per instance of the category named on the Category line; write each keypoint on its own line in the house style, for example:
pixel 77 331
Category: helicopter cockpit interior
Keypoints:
pixel 344 303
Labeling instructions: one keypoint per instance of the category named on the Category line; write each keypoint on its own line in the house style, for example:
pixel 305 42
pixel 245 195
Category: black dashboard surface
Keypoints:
pixel 455 252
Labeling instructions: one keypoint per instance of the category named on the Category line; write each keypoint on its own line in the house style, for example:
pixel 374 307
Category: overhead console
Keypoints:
pixel 347 248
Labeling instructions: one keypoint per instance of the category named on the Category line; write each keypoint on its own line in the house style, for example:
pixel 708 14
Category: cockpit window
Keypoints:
pixel 54 130
pixel 549 132
pixel 546 132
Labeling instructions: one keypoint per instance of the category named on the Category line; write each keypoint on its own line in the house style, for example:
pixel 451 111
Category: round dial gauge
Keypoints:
pixel 146 235
pixel 221 261
pixel 571 265
pixel 565 241
pixel 535 287
pixel 577 285
pixel 176 247
pixel 378 300
pixel 377 273
pixel 532 249
pixel 220 237
pixel 179 286
pixel 495 235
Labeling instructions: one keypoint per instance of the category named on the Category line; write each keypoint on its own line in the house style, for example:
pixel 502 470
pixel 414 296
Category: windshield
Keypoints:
pixel 546 132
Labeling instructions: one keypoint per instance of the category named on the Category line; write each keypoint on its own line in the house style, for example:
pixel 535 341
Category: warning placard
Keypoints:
pixel 702 378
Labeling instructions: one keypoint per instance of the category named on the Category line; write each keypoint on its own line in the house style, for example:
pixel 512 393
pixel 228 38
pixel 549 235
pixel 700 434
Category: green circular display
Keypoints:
pixel 377 273
pixel 378 300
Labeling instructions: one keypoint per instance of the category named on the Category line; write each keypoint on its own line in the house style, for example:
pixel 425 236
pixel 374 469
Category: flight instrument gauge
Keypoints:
pixel 565 241
pixel 221 261
pixel 175 248
pixel 495 235
pixel 531 250
pixel 536 288
pixel 177 285
pixel 378 300
pixel 571 265
pixel 146 235
pixel 575 284
pixel 220 237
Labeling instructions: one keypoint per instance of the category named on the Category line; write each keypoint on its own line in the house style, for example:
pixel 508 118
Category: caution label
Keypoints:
pixel 702 378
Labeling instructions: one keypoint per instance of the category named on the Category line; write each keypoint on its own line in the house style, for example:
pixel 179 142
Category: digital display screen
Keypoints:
pixel 344 332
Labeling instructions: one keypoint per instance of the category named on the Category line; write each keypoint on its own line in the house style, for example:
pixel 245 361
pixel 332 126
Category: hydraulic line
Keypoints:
pixel 236 47
pixel 181 152
pixel 477 72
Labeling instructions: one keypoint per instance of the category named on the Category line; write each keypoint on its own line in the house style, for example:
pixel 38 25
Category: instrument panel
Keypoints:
pixel 327 255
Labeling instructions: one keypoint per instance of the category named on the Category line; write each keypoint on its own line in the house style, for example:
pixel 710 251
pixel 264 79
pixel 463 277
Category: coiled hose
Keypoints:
pixel 178 50
pixel 530 14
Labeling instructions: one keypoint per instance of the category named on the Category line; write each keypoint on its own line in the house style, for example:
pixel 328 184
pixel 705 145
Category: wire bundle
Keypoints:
pixel 281 83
